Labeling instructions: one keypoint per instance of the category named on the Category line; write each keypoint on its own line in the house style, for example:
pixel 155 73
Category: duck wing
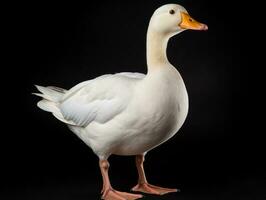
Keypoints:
pixel 99 100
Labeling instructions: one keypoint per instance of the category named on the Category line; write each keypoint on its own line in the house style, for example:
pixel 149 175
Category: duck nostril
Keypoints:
pixel 191 20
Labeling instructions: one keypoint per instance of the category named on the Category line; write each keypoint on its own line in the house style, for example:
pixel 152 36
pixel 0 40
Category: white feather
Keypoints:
pixel 50 93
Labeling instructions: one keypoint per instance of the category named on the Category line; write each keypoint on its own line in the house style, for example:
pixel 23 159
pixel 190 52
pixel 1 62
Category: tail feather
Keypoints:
pixel 50 93
pixel 47 105
pixel 51 99
pixel 58 89
pixel 38 94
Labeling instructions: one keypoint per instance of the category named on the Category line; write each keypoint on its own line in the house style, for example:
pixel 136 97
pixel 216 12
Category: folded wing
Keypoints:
pixel 99 100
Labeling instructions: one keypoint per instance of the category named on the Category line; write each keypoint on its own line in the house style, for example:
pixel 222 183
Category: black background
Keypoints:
pixel 216 154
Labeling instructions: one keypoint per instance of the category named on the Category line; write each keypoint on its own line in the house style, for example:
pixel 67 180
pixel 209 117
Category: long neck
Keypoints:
pixel 156 50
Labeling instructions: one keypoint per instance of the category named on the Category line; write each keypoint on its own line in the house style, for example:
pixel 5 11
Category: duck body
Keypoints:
pixel 153 108
pixel 129 113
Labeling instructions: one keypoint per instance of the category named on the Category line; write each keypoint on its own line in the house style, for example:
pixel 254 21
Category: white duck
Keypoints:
pixel 129 113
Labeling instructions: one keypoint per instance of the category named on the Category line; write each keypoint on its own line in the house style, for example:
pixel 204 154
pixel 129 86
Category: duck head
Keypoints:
pixel 172 19
pixel 167 21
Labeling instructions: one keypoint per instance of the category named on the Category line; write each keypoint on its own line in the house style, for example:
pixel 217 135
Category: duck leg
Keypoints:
pixel 108 193
pixel 143 185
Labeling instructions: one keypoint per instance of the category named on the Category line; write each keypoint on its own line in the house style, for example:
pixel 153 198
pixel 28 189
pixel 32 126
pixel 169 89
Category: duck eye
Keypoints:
pixel 172 12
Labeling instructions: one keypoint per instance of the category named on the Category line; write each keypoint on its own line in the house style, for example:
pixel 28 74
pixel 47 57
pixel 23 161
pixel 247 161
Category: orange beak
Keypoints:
pixel 189 23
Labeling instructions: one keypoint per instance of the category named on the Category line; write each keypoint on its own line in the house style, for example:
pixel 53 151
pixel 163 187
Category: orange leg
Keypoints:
pixel 143 185
pixel 108 193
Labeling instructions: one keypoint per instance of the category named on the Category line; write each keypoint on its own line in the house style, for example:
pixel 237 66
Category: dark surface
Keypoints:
pixel 215 155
